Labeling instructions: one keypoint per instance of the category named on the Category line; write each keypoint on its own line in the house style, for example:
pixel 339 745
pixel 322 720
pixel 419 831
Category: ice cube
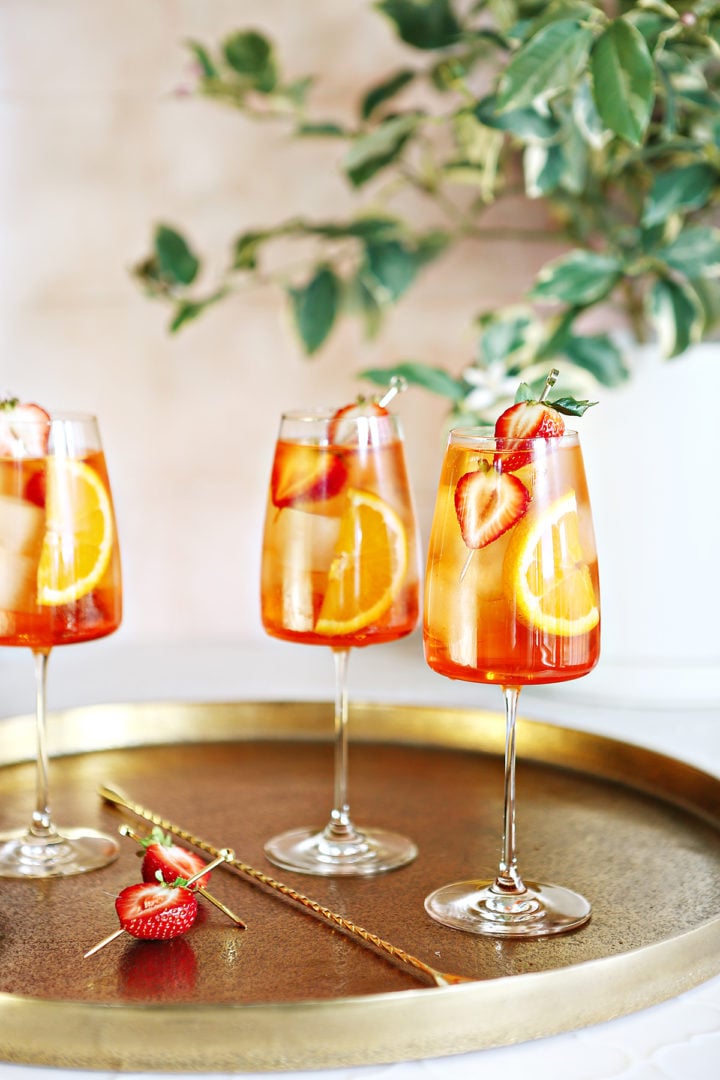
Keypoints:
pixel 22 526
pixel 18 581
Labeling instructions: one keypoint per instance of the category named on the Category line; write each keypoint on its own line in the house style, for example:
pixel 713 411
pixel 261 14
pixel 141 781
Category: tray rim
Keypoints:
pixel 316 1033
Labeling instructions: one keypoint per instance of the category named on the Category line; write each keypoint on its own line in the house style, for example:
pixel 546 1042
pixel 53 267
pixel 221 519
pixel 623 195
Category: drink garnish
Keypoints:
pixel 363 580
pixel 156 911
pixel 304 476
pixel 547 573
pixel 159 910
pixel 164 857
pixel 18 438
pixel 488 503
pixel 79 532
pixel 534 418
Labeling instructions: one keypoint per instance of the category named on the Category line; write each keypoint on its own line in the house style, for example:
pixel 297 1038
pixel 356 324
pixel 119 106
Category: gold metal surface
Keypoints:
pixel 625 825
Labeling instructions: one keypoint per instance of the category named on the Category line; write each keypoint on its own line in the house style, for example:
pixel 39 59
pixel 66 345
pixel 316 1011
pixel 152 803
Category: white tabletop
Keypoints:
pixel 675 1040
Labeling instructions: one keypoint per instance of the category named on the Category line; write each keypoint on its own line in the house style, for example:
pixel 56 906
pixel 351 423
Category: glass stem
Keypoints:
pixel 42 825
pixel 508 879
pixel 340 825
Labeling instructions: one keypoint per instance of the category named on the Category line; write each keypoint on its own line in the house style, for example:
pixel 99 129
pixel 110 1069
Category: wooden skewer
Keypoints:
pixel 224 856
pixel 350 928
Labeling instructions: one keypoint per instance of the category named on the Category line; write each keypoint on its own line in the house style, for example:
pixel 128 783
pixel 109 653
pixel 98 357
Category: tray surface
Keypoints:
pixel 619 823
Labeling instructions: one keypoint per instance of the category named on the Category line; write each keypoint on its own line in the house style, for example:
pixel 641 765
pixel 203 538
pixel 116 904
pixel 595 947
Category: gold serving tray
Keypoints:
pixel 635 831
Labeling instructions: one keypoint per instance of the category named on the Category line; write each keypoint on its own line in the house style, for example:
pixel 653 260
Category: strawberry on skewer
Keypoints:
pixel 532 418
pixel 158 911
pixel 171 861
pixel 18 438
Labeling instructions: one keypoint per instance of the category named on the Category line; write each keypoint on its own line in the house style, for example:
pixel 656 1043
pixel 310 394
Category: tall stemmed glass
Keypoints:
pixel 59 584
pixel 339 569
pixel 521 609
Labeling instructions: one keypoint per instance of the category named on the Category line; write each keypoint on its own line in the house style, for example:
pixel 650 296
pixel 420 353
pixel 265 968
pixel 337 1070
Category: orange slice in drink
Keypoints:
pixel 79 532
pixel 368 567
pixel 547 572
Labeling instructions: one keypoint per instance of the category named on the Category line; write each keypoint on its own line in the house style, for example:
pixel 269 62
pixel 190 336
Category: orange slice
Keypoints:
pixel 368 567
pixel 79 532
pixel 548 574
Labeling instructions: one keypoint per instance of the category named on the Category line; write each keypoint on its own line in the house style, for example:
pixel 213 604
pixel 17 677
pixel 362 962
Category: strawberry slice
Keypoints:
pixel 340 432
pixel 18 438
pixel 303 475
pixel 487 504
pixel 526 420
pixel 170 861
pixel 156 911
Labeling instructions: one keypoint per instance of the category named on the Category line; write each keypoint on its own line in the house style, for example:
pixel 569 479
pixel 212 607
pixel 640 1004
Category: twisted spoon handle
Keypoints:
pixel 439 978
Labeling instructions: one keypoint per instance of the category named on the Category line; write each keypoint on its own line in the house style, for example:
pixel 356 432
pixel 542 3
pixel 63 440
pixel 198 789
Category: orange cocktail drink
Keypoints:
pixel 59 556
pixel 340 569
pixel 523 608
pixel 339 554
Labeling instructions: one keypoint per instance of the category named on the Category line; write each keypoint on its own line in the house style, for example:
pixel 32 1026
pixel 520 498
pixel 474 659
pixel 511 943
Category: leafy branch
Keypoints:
pixel 609 114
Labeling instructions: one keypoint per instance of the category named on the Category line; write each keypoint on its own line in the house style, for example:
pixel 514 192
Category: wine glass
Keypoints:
pixel 339 569
pixel 519 610
pixel 59 584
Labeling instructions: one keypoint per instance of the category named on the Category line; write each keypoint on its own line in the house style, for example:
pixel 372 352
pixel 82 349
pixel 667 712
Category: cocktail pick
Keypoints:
pixel 398 385
pixel 350 928
pixel 125 830
pixel 224 856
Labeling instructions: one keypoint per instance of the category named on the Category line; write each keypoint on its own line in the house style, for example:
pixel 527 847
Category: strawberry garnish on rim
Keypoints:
pixel 156 911
pixel 171 861
pixel 20 438
pixel 488 503
pixel 531 418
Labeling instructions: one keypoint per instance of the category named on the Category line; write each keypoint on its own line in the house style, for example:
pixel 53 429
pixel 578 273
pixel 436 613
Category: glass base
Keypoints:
pixel 366 852
pixel 75 851
pixel 480 907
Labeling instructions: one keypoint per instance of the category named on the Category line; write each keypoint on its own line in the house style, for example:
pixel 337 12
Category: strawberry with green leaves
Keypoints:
pixel 170 861
pixel 533 418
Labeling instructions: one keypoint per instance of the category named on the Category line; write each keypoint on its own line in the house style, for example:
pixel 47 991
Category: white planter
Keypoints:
pixel 652 455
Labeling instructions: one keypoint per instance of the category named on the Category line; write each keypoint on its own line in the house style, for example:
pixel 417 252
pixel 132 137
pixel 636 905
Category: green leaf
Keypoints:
pixel 529 124
pixel 570 406
pixel 202 56
pixel 677 316
pixel 176 261
pixel 392 266
pixel 424 24
pixel 385 90
pixel 694 253
pixel 327 129
pixel 623 80
pixel 549 63
pixel 250 54
pixel 360 299
pixel 372 152
pixel 598 354
pixel 436 380
pixel 315 307
pixel 501 336
pixel 689 187
pixel 543 169
pixel 579 278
